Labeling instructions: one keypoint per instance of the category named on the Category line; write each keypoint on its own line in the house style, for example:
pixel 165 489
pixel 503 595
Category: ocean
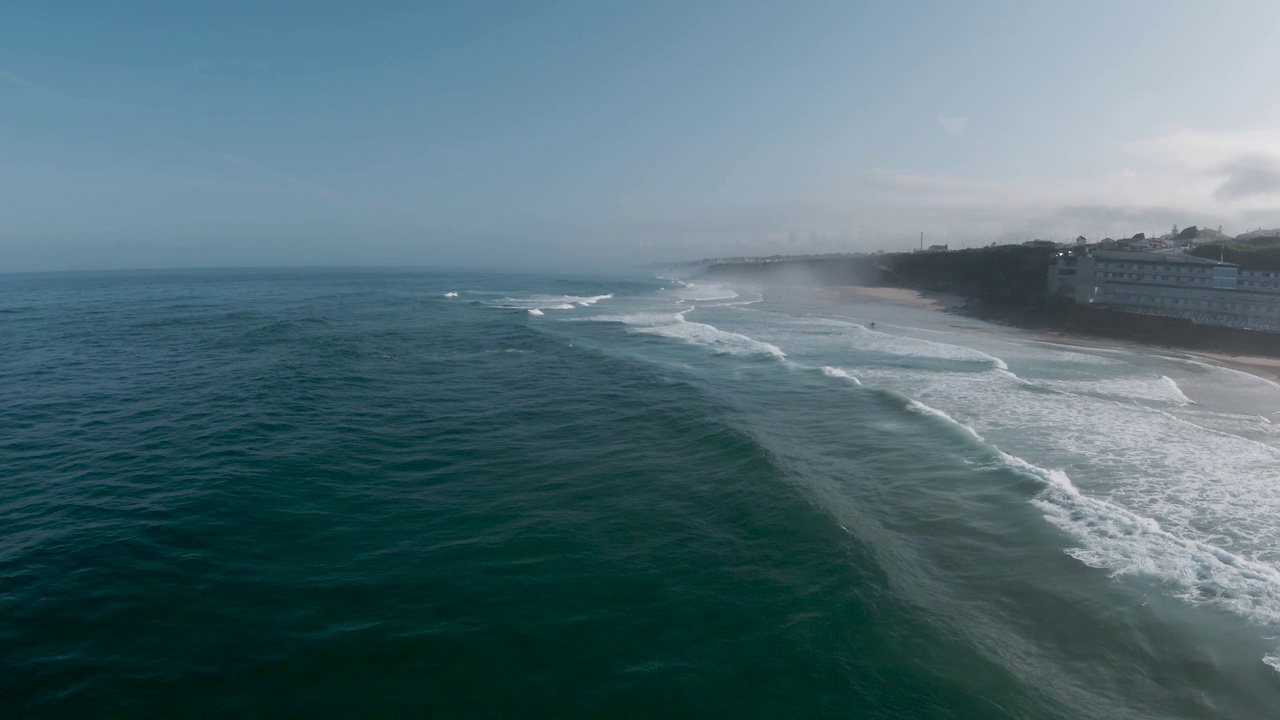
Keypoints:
pixel 344 493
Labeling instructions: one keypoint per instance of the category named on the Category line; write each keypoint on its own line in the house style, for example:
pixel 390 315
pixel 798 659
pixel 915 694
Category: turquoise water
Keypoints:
pixel 341 493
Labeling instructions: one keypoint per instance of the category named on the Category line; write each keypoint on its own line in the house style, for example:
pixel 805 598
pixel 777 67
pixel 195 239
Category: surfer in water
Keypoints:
pixel 872 325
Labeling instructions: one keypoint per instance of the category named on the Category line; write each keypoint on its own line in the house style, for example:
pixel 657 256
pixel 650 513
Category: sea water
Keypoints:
pixel 375 493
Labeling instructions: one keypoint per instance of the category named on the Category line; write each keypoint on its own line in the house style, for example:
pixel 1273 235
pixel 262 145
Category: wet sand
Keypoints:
pixel 902 296
pixel 1262 366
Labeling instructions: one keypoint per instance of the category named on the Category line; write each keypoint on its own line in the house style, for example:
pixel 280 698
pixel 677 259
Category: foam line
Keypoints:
pixel 1225 368
pixel 1123 542
pixel 674 325
pixel 1126 543
pixel 1177 391
pixel 919 407
pixel 836 372
pixel 1223 433
pixel 542 303
pixel 1158 388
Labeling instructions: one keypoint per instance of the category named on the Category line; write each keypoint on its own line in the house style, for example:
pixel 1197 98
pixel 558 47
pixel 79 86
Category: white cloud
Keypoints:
pixel 1178 176
pixel 1244 166
pixel 953 124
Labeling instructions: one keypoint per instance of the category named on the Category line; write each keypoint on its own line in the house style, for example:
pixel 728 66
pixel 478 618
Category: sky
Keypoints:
pixel 169 133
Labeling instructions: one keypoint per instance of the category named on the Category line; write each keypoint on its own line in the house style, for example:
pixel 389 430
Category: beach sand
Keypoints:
pixel 901 296
pixel 1261 366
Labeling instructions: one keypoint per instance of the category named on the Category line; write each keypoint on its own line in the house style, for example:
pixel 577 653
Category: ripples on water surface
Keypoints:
pixel 265 493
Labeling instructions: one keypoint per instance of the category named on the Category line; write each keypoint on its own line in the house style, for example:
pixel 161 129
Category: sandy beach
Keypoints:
pixel 902 296
pixel 1262 366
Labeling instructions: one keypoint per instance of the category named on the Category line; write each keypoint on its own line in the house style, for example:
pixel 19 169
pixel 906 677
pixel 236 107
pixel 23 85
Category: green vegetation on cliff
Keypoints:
pixel 1260 253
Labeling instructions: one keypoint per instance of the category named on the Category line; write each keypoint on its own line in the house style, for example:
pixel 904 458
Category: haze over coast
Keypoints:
pixel 593 136
pixel 354 360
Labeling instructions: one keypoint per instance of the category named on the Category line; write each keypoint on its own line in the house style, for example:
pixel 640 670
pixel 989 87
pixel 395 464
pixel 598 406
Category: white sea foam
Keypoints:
pixel 1159 487
pixel 1273 661
pixel 836 372
pixel 535 311
pixel 742 300
pixel 713 337
pixel 547 302
pixel 1248 377
pixel 674 325
pixel 1175 391
pixel 451 294
pixel 904 346
pixel 1216 486
pixel 919 407
pixel 1071 355
pixel 1125 542
pixel 1194 510
pixel 1144 388
pixel 697 292
pixel 710 295
pixel 642 319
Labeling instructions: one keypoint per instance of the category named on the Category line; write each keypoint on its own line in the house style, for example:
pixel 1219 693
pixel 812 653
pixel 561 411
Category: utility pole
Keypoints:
pixel 921 242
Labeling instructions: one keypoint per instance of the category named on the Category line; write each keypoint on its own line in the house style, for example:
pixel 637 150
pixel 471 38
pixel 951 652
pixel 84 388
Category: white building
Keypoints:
pixel 1206 292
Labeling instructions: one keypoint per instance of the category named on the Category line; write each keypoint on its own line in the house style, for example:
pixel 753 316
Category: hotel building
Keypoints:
pixel 1207 292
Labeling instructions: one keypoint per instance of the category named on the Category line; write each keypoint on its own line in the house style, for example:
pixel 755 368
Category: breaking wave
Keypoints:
pixel 674 325
pixel 542 303
pixel 836 372
pixel 1125 543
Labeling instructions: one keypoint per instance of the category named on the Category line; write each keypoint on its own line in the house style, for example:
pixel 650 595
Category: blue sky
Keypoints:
pixel 160 134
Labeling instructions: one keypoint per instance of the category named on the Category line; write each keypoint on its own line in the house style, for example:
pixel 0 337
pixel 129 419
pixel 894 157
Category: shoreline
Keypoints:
pixel 939 301
pixel 1266 368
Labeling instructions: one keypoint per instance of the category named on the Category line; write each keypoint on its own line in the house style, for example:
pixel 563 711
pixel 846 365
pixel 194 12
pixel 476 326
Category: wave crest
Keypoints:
pixel 674 325
pixel 1123 542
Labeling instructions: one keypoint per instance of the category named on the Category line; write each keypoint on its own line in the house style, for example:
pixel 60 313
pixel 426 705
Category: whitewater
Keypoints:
pixel 491 495
pixel 1158 468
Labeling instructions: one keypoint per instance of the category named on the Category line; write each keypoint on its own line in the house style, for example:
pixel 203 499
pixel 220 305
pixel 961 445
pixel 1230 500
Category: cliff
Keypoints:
pixel 1009 275
pixel 1005 284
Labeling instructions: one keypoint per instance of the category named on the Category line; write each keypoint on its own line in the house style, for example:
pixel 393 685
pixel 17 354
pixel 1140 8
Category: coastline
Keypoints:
pixel 1267 368
pixel 1264 367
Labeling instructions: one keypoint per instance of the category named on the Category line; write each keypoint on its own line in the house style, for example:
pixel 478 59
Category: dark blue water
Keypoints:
pixel 341 493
